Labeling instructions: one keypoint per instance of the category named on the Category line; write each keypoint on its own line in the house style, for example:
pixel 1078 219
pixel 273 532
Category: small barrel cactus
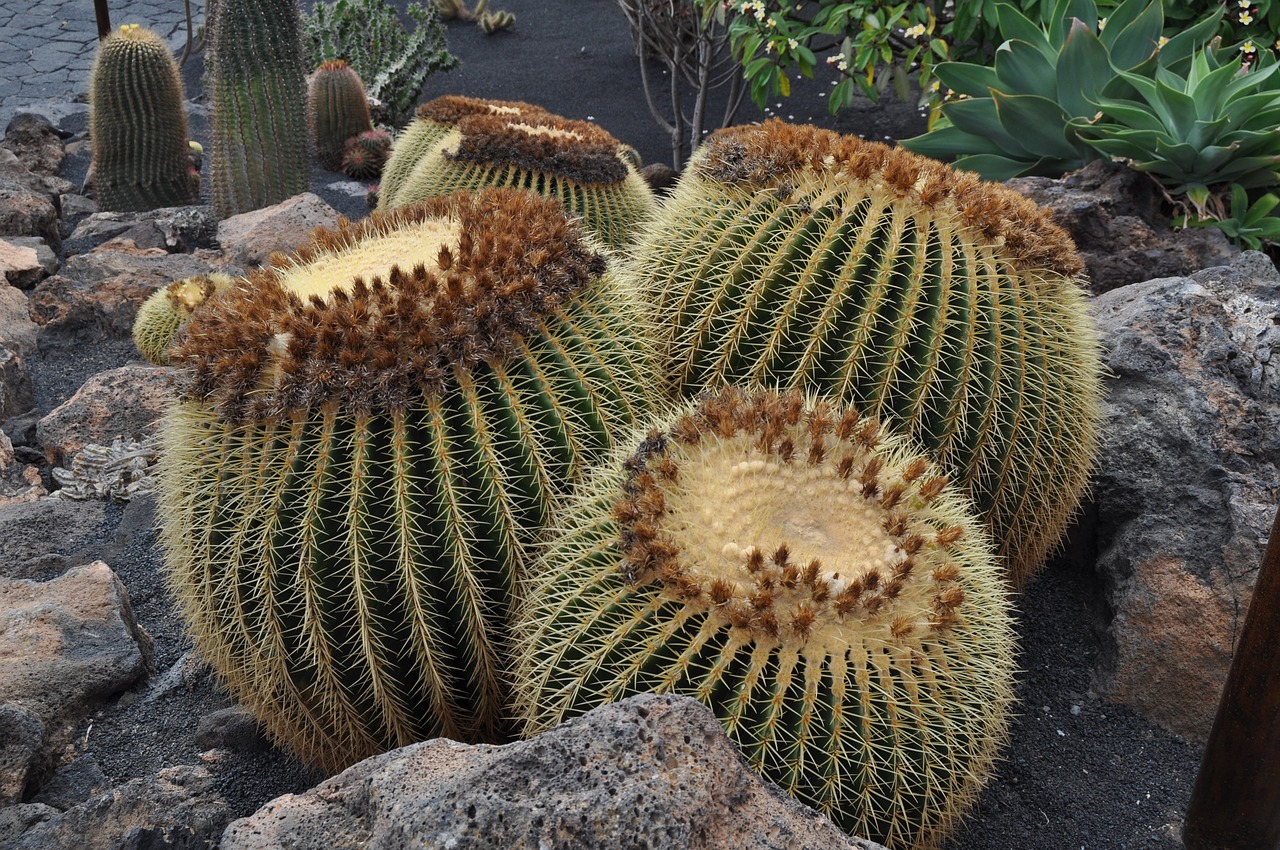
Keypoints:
pixel 339 110
pixel 168 310
pixel 574 161
pixel 366 154
pixel 138 124
pixel 366 445
pixel 433 120
pixel 258 96
pixel 817 584
pixel 947 307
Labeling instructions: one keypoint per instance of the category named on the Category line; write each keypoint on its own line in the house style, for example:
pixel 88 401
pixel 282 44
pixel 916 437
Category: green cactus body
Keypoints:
pixel 138 124
pixel 168 310
pixel 573 161
pixel 339 110
pixel 947 307
pixel 366 154
pixel 813 582
pixel 367 445
pixel 258 97
pixel 433 120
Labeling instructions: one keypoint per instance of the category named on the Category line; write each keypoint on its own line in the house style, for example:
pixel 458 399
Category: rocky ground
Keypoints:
pixel 113 734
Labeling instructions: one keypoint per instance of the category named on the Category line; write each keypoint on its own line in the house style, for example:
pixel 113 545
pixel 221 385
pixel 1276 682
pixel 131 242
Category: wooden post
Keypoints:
pixel 104 18
pixel 1235 804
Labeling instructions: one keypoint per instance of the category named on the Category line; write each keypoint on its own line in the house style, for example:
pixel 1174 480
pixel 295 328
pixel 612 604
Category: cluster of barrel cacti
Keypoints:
pixel 525 441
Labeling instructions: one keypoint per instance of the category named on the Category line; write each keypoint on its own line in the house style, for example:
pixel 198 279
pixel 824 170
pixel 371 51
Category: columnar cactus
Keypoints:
pixel 814 582
pixel 138 124
pixel 168 310
pixel 366 445
pixel 432 121
pixel 258 96
pixel 339 110
pixel 574 161
pixel 945 306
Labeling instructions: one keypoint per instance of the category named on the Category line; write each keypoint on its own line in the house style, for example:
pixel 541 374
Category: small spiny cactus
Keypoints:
pixel 947 307
pixel 496 21
pixel 168 310
pixel 138 124
pixel 574 161
pixel 366 154
pixel 366 444
pixel 813 581
pixel 339 110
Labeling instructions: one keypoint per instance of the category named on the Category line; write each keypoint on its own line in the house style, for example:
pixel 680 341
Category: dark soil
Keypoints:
pixel 1077 772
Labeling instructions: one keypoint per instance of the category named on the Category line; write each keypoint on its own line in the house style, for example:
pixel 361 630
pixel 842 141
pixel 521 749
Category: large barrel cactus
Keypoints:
pixel 257 85
pixel 367 443
pixel 815 583
pixel 948 307
pixel 575 162
pixel 431 122
pixel 339 110
pixel 168 310
pixel 138 124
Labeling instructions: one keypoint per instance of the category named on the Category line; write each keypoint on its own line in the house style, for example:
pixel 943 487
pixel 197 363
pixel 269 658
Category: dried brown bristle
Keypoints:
pixel 380 338
pixel 573 150
pixel 452 108
pixel 774 153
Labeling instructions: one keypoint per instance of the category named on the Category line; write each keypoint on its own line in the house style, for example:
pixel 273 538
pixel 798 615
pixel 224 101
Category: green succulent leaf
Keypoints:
pixel 995 167
pixel 1083 70
pixel 980 117
pixel 1015 25
pixel 1188 41
pixel 967 78
pixel 1040 123
pixel 1135 42
pixel 1023 69
pixel 947 142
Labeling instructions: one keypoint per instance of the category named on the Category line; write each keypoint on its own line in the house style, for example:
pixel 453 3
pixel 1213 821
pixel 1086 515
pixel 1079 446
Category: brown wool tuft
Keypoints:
pixel 452 108
pixel 416 327
pixel 772 155
pixel 544 143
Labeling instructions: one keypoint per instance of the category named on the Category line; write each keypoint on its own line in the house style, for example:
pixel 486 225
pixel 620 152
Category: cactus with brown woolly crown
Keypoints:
pixel 339 110
pixel 366 445
pixel 167 311
pixel 431 122
pixel 258 96
pixel 814 582
pixel 574 161
pixel 138 124
pixel 948 307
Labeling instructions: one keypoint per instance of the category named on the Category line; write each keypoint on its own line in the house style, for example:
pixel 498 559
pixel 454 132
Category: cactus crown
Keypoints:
pixel 452 108
pixel 775 153
pixel 574 150
pixel 720 509
pixel 333 65
pixel 376 312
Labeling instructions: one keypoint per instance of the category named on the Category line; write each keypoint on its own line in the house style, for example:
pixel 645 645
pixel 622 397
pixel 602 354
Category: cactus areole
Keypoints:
pixel 368 439
pixel 813 582
pixel 947 307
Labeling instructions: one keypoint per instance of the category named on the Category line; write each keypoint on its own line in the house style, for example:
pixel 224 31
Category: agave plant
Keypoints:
pixel 1015 118
pixel 1209 123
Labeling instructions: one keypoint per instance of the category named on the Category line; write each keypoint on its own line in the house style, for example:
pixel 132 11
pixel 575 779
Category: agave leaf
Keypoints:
pixel 1206 133
pixel 1213 158
pixel 994 167
pixel 1244 112
pixel 1130 113
pixel 1252 80
pixel 979 117
pixel 1013 24
pixel 1085 11
pixel 946 142
pixel 1250 172
pixel 967 78
pixel 1121 16
pixel 1138 40
pixel 1083 70
pixel 1179 157
pixel 1191 39
pixel 1040 123
pixel 1025 70
pixel 1114 145
pixel 1209 92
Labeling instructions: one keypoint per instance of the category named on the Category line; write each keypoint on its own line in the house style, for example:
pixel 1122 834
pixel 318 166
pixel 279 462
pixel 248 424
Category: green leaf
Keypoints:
pixel 947 142
pixel 1209 93
pixel 1039 123
pixel 1013 24
pixel 967 78
pixel 1121 16
pixel 1025 70
pixel 1138 40
pixel 993 167
pixel 1131 113
pixel 1192 38
pixel 1083 69
pixel 979 117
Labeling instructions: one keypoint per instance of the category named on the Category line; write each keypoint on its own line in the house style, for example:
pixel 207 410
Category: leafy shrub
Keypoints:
pixel 1248 225
pixel 392 62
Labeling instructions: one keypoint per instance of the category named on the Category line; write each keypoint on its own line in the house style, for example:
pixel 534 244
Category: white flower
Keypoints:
pixel 1102 24
pixel 915 31
pixel 1248 47
pixel 1246 18
pixel 1162 42
pixel 792 43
